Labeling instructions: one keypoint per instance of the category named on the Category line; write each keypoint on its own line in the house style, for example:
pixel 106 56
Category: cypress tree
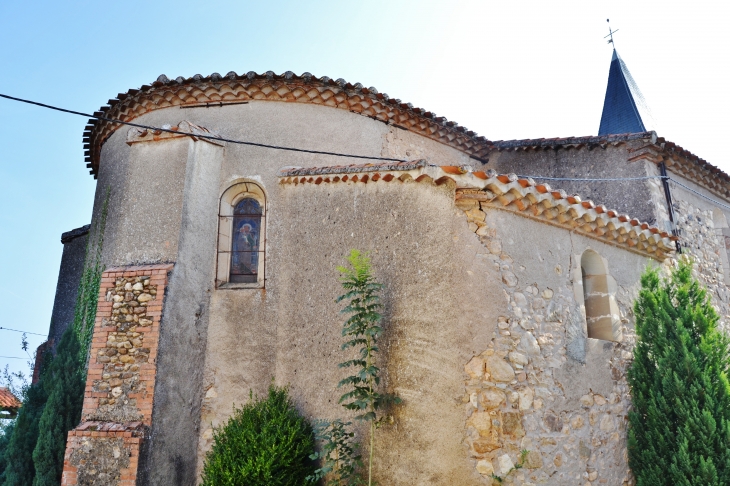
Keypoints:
pixel 679 428
pixel 7 432
pixel 19 469
pixel 62 411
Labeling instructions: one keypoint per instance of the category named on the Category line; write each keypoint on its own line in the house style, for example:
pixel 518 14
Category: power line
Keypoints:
pixel 24 332
pixel 196 135
pixel 13 357
pixel 697 193
pixel 590 180
pixel 321 152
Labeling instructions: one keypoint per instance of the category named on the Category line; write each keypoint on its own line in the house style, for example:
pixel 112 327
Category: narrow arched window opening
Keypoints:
pixel 600 320
pixel 241 237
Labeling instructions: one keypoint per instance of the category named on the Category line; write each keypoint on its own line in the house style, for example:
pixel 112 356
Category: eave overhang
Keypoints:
pixel 505 192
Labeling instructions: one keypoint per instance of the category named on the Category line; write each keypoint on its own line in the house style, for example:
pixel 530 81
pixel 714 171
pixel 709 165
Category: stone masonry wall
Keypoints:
pixel 706 245
pixel 515 390
pixel 117 412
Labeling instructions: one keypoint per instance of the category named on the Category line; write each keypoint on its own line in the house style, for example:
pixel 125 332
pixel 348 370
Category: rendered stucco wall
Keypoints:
pixel 69 277
pixel 458 311
pixel 168 191
pixel 437 302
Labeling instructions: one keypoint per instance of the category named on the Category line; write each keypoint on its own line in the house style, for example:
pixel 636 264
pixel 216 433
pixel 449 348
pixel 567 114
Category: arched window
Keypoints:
pixel 601 322
pixel 241 237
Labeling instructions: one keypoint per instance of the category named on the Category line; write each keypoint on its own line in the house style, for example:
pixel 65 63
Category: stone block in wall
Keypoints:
pixel 104 449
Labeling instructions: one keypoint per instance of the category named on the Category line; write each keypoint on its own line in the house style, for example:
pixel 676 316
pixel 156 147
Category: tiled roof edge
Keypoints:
pixel 689 165
pixel 219 90
pixel 560 142
pixel 8 400
pixel 351 169
pixel 508 192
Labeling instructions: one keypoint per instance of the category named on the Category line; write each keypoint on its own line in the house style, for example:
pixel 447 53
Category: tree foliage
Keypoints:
pixel 6 431
pixel 19 469
pixel 52 406
pixel 265 443
pixel 62 412
pixel 680 424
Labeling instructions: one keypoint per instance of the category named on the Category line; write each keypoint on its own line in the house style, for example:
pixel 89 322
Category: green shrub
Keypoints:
pixel 265 443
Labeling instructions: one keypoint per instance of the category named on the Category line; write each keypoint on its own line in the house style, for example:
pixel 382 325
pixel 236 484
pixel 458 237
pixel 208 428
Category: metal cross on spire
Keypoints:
pixel 610 34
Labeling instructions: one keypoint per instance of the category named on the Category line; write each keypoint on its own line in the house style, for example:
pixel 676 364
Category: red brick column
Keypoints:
pixel 120 384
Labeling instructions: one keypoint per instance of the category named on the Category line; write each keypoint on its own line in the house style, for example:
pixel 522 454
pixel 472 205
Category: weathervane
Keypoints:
pixel 610 34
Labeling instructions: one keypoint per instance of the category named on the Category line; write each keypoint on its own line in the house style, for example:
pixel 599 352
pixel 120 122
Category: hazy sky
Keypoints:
pixel 503 69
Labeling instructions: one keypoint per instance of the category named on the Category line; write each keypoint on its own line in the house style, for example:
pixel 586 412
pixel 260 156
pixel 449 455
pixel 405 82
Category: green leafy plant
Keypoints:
pixel 87 296
pixel 361 331
pixel 519 465
pixel 265 443
pixel 339 454
pixel 679 427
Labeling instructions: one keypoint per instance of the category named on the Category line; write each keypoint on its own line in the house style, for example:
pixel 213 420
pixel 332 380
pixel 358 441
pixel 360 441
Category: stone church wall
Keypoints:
pixel 626 197
pixel 438 299
pixel 485 335
pixel 525 391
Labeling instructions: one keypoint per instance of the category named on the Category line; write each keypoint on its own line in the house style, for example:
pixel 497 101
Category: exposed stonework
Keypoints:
pixel 104 449
pixel 102 461
pixel 515 394
pixel 705 244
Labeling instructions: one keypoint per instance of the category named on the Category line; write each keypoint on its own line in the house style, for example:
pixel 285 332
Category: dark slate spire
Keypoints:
pixel 624 110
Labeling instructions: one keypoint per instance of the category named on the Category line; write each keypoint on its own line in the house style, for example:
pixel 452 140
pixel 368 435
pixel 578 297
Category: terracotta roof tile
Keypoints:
pixel 505 192
pixel 656 149
pixel 235 88
pixel 543 143
pixel 8 400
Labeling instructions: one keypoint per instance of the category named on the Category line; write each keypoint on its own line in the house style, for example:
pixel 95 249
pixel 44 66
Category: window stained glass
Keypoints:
pixel 246 241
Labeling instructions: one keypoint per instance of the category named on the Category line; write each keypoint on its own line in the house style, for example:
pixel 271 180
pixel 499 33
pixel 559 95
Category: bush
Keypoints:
pixel 265 443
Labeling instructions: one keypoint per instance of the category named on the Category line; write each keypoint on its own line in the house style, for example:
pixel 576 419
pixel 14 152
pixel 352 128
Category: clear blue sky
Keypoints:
pixel 503 69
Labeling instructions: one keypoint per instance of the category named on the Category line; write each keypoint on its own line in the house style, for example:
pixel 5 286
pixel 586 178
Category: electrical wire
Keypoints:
pixel 335 154
pixel 715 201
pixel 24 332
pixel 196 135
pixel 697 193
pixel 589 180
pixel 13 357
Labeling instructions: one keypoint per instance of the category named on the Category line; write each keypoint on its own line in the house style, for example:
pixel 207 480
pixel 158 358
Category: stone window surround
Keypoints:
pixel 606 300
pixel 723 233
pixel 237 190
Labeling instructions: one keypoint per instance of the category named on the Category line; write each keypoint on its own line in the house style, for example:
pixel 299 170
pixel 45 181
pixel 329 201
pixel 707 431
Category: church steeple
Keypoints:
pixel 624 109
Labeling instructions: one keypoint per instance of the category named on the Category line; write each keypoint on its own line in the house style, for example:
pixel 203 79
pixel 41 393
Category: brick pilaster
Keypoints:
pixel 120 383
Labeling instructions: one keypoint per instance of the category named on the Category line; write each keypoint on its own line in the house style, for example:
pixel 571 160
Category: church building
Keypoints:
pixel 509 268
